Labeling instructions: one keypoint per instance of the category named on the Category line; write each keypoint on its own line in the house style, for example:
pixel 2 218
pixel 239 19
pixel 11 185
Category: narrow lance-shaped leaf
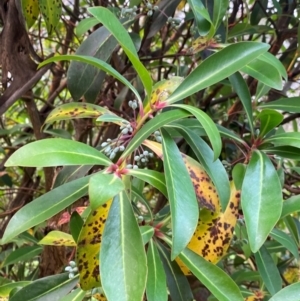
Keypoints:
pixel 217 67
pixel 51 11
pixel 58 238
pixel 290 292
pixel 55 152
pixel 208 125
pixel 89 242
pixel 268 270
pixel 261 199
pixel 110 21
pixel 103 187
pixel 182 198
pixel 30 11
pixel 48 288
pixel 220 9
pixel 291 104
pixel 122 248
pixel 156 288
pixel 242 90
pixel 94 62
pixel 45 207
pixel 285 139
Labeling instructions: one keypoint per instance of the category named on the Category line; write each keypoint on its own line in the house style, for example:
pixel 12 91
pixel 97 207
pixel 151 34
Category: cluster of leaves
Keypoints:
pixel 162 214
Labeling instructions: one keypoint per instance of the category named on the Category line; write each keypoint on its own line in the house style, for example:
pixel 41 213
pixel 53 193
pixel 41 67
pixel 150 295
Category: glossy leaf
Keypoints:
pixel 208 125
pixel 44 207
pixel 238 174
pixel 285 139
pixel 286 241
pixel 151 126
pixel 214 279
pixel 178 284
pixel 122 247
pixel 156 288
pixel 215 169
pixel 31 11
pixel 291 104
pixel 147 233
pixel 89 242
pixel 268 271
pixel 48 288
pixel 182 198
pixel 75 110
pixel 240 87
pixel 103 187
pixel 51 11
pixel 152 177
pixel 220 8
pixel 290 205
pixel 94 62
pixel 5 289
pixel 290 292
pixel 58 238
pixel 274 61
pixel 291 224
pixel 84 25
pixel 289 152
pixel 261 199
pixel 56 151
pixel 110 21
pixel 202 18
pixel 76 295
pixel 22 254
pixel 76 223
pixel 84 79
pixel 269 119
pixel 217 67
pixel 264 72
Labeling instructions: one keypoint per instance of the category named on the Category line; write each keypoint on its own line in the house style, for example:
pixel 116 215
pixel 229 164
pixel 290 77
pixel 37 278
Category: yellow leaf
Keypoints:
pixel 30 11
pixel 58 238
pixel 89 242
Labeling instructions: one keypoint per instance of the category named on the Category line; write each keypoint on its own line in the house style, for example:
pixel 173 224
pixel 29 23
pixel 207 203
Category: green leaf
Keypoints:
pixel 178 284
pixel 76 223
pixel 240 87
pixel 261 90
pixel 220 9
pixel 76 295
pixel 291 105
pixel 56 151
pixel 8 287
pixel 286 241
pixel 122 248
pixel 58 238
pixel 268 270
pixel 156 288
pixel 274 61
pixel 22 254
pixel 288 152
pixel 152 177
pixel 110 21
pixel 238 174
pixel 269 119
pixel 84 25
pixel 291 224
pixel 217 67
pixel 51 11
pixel 208 125
pixel 103 187
pixel 202 18
pixel 264 72
pixel 45 207
pixel 210 275
pixel 182 198
pixel 290 206
pixel 151 126
pixel 112 118
pixel 261 199
pixel 285 139
pixel 290 292
pixel 31 11
pixel 48 288
pixel 215 169
pixel 147 233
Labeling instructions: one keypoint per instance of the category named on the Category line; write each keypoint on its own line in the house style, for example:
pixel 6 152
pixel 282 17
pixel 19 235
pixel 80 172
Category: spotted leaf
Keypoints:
pixel 58 238
pixel 214 231
pixel 51 11
pixel 89 245
pixel 75 110
pixel 30 11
